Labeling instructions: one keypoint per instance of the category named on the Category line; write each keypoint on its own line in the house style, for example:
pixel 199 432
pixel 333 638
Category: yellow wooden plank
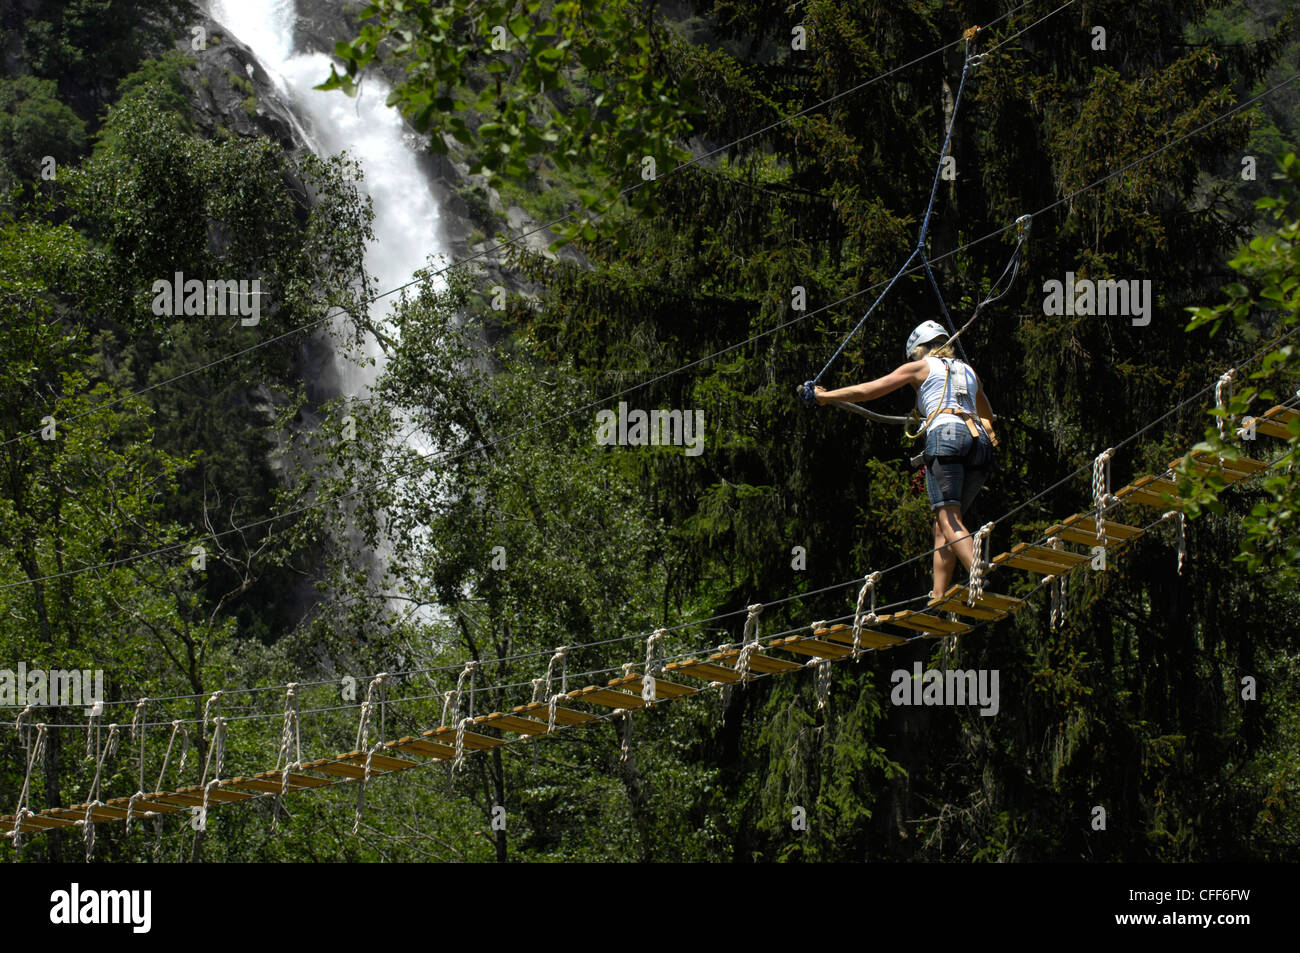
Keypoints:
pixel 663 689
pixel 806 645
pixel 296 780
pixel 427 748
pixel 1028 565
pixel 216 795
pixel 472 740
pixel 706 671
pixel 520 726
pixel 869 638
pixel 100 813
pixel 922 622
pixel 144 804
pixel 1273 423
pixel 540 711
pixel 379 762
pixel 758 662
pixel 598 695
pixel 1045 554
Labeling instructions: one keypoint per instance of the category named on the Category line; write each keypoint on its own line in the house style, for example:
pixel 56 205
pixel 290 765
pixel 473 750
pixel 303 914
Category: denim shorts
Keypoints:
pixel 955 465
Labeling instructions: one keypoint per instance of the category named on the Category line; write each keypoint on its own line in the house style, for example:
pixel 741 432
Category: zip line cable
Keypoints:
pixel 540 228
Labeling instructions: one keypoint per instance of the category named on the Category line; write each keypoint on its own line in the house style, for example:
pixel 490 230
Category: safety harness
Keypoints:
pixel 968 418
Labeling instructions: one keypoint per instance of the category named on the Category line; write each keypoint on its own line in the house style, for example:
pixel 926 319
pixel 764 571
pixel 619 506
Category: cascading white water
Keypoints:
pixel 406 211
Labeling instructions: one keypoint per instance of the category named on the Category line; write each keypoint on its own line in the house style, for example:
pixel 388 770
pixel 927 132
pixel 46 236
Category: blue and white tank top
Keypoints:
pixel 962 384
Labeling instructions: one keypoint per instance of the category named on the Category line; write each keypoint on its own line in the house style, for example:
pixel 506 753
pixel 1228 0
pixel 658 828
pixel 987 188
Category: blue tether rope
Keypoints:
pixel 807 389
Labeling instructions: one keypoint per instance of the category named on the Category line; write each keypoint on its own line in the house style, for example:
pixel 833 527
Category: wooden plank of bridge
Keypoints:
pixel 989 606
pixel 144 804
pixel 563 716
pixel 760 663
pixel 705 671
pixel 217 794
pixel 923 622
pixel 1082 529
pixel 1231 471
pixel 663 689
pixel 806 645
pixel 472 739
pixel 426 748
pixel 379 763
pixel 520 726
pixel 1027 564
pixel 1274 422
pixel 599 695
pixel 1063 558
pixel 36 824
pixel 1148 491
pixel 270 782
pixel 100 813
pixel 868 638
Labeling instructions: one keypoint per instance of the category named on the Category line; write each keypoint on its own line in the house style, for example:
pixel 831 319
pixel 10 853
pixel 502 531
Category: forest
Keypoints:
pixel 580 454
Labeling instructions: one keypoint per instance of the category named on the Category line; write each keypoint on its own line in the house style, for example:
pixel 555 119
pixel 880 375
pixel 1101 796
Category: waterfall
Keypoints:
pixel 406 224
pixel 406 212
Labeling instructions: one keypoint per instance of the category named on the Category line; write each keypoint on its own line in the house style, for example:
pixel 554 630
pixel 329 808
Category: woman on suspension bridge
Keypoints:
pixel 959 438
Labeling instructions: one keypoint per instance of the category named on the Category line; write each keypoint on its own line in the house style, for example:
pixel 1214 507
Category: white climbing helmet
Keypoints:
pixel 924 333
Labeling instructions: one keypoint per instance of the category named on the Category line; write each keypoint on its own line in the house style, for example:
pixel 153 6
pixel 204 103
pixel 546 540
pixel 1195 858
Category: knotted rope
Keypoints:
pixel 290 734
pixel 177 726
pixel 750 640
pixel 653 665
pixel 868 589
pixel 92 802
pixel 975 589
pixel 1101 497
pixel 138 724
pixel 454 697
pixel 1182 536
pixel 1058 589
pixel 363 741
pixel 216 755
pixel 35 751
pixel 626 748
pixel 823 667
pixel 1222 388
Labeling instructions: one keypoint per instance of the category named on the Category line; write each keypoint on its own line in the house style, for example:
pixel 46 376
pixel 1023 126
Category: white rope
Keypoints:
pixel 92 802
pixel 823 681
pixel 363 741
pixel 290 734
pixel 138 724
pixel 35 751
pixel 177 726
pixel 216 755
pixel 1222 388
pixel 626 748
pixel 975 588
pixel 1058 590
pixel 468 672
pixel 561 658
pixel 868 589
pixel 653 665
pixel 460 743
pixel 1101 497
pixel 1182 535
pixel 750 640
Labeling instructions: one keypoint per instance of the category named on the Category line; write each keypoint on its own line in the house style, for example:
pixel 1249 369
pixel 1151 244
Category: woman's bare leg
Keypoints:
pixel 945 562
pixel 956 534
